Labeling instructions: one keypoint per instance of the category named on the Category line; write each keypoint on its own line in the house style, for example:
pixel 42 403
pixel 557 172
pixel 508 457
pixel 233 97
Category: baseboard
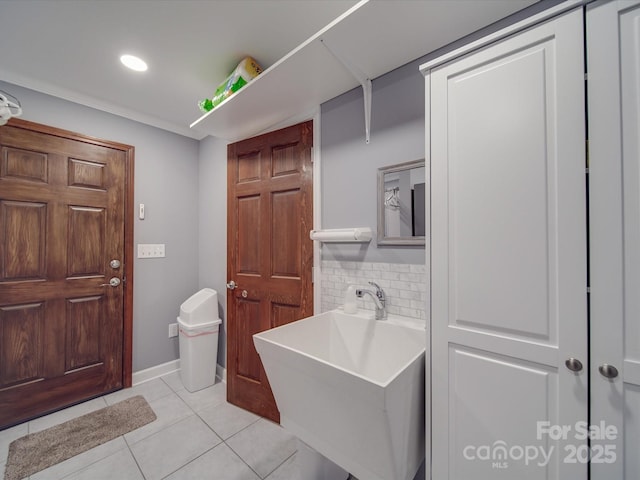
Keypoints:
pixel 221 373
pixel 166 368
pixel 155 372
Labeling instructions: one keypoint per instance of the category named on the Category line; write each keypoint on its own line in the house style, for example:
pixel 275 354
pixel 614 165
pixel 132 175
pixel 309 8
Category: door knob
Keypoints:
pixel 573 364
pixel 113 282
pixel 115 263
pixel 608 371
pixel 232 285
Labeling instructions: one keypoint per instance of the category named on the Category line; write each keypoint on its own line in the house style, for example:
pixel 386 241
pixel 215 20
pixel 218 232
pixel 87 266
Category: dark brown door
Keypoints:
pixel 270 257
pixel 61 225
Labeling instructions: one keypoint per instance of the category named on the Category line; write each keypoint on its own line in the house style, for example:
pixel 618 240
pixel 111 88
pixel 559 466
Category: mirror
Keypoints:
pixel 401 204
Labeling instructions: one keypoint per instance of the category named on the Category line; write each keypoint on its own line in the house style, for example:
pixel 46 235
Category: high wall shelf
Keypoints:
pixel 369 40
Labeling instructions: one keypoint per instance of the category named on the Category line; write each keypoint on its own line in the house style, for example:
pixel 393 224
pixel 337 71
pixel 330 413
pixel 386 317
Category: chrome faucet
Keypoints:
pixel 379 298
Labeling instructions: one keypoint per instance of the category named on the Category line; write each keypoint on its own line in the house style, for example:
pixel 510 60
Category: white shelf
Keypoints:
pixel 374 37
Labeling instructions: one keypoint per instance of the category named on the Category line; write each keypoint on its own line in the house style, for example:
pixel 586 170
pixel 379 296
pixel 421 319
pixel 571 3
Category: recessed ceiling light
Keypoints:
pixel 134 63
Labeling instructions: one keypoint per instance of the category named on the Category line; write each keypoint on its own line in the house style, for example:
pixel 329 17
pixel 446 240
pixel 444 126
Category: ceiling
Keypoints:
pixel 71 49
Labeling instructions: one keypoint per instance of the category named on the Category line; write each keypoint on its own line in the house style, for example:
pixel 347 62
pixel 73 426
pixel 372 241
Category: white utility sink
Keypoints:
pixel 352 388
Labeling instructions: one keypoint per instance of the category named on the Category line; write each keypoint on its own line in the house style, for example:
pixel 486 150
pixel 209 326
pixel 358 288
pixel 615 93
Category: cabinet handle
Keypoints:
pixel 573 364
pixel 608 371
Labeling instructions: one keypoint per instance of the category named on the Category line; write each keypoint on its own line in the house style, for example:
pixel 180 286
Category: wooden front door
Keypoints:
pixel 270 255
pixel 62 209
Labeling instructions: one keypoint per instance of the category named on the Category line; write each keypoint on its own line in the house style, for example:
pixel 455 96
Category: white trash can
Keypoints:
pixel 198 327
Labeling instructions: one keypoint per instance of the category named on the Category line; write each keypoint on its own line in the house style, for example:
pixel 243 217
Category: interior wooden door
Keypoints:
pixel 62 209
pixel 613 57
pixel 270 254
pixel 508 257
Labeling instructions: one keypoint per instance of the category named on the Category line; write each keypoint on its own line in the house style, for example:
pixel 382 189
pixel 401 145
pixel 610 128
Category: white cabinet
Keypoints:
pixel 509 280
pixel 519 232
pixel 613 57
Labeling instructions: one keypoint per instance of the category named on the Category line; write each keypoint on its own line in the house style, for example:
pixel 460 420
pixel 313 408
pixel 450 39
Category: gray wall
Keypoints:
pixel 166 176
pixel 212 254
pixel 350 166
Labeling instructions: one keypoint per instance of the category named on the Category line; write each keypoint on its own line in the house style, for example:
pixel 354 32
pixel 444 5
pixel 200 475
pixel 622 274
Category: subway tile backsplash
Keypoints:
pixel 405 285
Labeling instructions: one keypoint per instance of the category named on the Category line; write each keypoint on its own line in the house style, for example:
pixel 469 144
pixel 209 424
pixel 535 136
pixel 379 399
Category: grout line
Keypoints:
pixel 224 441
pixel 193 460
pixel 282 463
pixel 240 457
pixel 85 467
pixel 170 387
pixel 244 428
pixel 134 457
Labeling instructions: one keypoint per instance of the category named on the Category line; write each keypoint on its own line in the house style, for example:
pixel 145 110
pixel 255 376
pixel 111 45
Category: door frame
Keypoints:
pixel 129 151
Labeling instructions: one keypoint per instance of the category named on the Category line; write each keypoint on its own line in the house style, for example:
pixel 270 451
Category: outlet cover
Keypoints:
pixel 173 330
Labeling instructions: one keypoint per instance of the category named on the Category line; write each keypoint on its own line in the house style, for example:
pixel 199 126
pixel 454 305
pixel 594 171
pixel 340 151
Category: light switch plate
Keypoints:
pixel 151 250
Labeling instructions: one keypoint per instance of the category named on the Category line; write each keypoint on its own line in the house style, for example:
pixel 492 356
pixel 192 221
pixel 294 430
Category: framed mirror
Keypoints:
pixel 401 204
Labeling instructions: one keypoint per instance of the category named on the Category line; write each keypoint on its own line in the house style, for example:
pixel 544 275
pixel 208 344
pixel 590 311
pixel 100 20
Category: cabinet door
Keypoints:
pixel 613 58
pixel 509 282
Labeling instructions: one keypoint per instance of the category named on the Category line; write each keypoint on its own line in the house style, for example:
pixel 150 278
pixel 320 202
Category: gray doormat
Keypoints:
pixel 40 450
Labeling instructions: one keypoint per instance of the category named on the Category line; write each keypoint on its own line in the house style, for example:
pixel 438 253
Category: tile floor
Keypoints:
pixel 196 435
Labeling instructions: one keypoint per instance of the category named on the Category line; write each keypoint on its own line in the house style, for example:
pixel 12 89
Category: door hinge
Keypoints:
pixel 313 275
pixel 586 143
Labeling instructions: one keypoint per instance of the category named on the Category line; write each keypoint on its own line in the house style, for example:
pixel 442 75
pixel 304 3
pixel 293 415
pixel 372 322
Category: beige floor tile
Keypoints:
pixel 205 398
pixel 121 466
pixel 226 419
pixel 151 390
pixel 220 462
pixel 264 445
pixel 173 447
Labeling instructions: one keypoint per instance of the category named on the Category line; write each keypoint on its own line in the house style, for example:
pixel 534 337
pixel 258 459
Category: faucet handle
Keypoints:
pixel 379 291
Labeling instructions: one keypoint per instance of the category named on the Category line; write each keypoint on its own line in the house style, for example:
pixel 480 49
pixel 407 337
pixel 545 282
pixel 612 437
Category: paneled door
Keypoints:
pixel 613 57
pixel 270 254
pixel 509 379
pixel 62 208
